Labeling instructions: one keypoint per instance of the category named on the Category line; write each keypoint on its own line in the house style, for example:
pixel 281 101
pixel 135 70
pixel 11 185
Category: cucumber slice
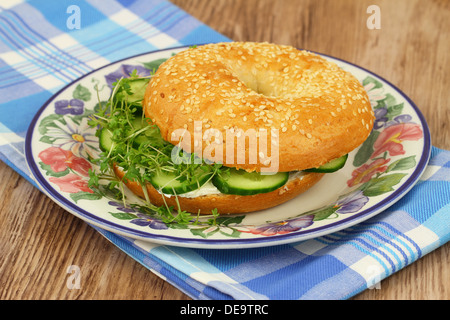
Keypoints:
pixel 167 182
pixel 105 140
pixel 135 95
pixel 106 135
pixel 137 87
pixel 245 183
pixel 332 166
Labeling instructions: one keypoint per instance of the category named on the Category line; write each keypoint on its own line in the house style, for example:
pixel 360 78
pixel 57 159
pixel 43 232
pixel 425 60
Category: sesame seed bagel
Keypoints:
pixel 311 110
pixel 226 203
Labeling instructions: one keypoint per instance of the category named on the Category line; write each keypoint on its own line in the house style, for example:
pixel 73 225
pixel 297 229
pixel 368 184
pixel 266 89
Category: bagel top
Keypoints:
pixel 312 110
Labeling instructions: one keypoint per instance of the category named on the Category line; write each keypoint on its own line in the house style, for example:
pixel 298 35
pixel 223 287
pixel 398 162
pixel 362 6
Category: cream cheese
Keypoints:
pixel 209 189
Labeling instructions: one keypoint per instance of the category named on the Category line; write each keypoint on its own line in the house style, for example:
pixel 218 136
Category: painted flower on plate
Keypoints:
pixel 403 118
pixel 124 71
pixel 208 231
pixel 73 106
pixel 375 94
pixel 120 206
pixel 144 220
pixel 353 202
pixel 77 137
pixel 382 120
pixel 390 139
pixel 281 227
pixel 364 173
pixel 59 160
pixel 71 183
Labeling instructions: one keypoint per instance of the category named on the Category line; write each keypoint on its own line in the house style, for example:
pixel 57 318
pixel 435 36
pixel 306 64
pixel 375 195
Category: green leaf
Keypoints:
pixel 84 196
pixel 235 233
pixel 50 172
pixel 48 121
pixel 394 111
pixel 366 149
pixel 389 101
pixel 324 213
pixel 154 65
pixel 402 164
pixel 225 221
pixel 378 186
pixel 100 107
pixel 368 80
pixel 200 232
pixel 123 215
pixel 82 93
pixel 47 139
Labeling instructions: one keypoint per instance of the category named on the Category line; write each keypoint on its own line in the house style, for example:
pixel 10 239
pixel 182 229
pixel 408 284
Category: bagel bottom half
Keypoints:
pixel 226 203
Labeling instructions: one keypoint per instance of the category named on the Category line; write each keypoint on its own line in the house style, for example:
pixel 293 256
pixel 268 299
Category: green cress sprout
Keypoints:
pixel 139 163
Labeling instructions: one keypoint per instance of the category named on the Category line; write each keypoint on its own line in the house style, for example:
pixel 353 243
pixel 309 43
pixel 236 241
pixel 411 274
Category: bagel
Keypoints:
pixel 317 111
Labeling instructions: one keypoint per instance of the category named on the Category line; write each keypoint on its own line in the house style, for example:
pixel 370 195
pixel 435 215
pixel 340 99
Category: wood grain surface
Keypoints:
pixel 39 240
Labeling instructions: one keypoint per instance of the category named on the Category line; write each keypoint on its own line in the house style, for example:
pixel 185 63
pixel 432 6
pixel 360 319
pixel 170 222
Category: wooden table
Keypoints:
pixel 39 240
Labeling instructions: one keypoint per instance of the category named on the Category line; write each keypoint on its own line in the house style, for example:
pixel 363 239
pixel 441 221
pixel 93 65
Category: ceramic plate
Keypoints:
pixel 60 145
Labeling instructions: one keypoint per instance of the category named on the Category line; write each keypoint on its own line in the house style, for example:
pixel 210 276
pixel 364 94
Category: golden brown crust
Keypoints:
pixel 321 112
pixel 226 203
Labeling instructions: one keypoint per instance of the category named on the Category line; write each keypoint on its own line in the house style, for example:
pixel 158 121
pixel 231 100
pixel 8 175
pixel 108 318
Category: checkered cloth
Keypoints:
pixel 41 51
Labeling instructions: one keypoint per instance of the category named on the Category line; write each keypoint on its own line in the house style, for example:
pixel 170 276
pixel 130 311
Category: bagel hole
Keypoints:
pixel 257 83
pixel 255 80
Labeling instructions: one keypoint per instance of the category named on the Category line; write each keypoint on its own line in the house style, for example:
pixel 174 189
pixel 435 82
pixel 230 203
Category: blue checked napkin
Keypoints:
pixel 44 47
